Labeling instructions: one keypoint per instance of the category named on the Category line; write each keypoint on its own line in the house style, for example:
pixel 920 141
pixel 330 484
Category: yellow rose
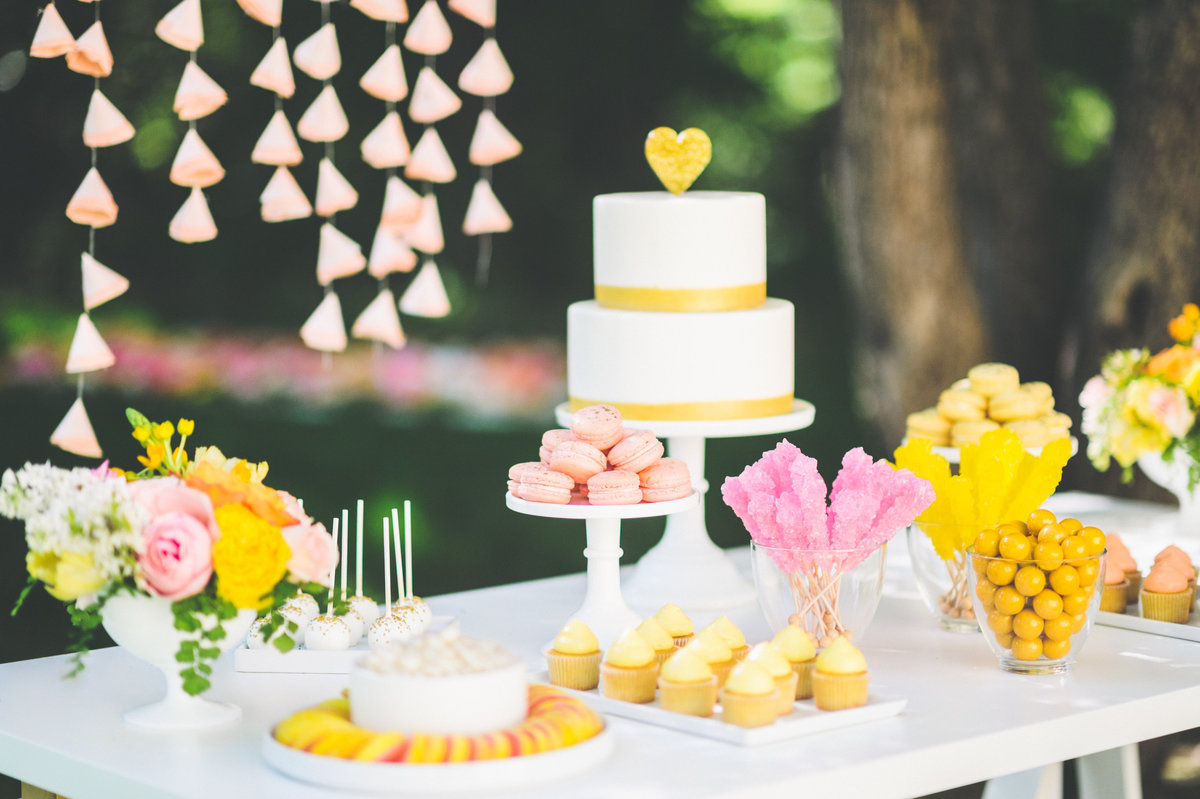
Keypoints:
pixel 67 576
pixel 249 558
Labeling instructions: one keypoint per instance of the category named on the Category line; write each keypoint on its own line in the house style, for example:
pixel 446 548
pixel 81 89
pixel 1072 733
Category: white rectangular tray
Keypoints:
pixel 804 720
pixel 1131 621
pixel 309 661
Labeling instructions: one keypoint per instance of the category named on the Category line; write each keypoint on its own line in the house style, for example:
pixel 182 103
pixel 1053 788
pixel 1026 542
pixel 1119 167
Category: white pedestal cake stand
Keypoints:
pixel 604 609
pixel 686 567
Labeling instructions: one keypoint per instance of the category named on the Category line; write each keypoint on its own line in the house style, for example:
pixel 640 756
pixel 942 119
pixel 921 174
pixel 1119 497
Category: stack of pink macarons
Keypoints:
pixel 602 462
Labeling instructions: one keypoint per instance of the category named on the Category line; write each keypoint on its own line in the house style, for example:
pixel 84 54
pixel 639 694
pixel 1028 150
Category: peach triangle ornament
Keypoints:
pixel 100 284
pixel 182 26
pixel 282 199
pixel 389 253
pixel 334 192
pixel 318 56
pixel 277 144
pixel 91 55
pixel 88 351
pixel 428 33
pixel 487 74
pixel 195 164
pixel 338 255
pixel 74 433
pixel 492 143
pixel 429 160
pixel 380 321
pixel 193 221
pixel 104 125
pixel 386 146
pixel 385 79
pixel 432 99
pixel 268 12
pixel 426 295
pixel 274 72
pixel 198 95
pixel 426 233
pixel 324 120
pixel 401 205
pixel 52 37
pixel 485 214
pixel 481 12
pixel 383 10
pixel 325 330
pixel 92 204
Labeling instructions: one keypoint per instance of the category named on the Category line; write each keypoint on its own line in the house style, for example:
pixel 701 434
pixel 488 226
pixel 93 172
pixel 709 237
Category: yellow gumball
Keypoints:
pixel 1027 625
pixel 1029 580
pixel 1000 623
pixel 987 543
pixel 1060 628
pixel 1056 649
pixel 1001 572
pixel 1075 602
pixel 1064 579
pixel 1048 605
pixel 1005 639
pixel 1008 600
pixel 1015 546
pixel 1074 548
pixel 1027 649
pixel 1094 538
pixel 1078 620
pixel 1089 571
pixel 1070 526
pixel 1039 519
pixel 985 590
pixel 1048 555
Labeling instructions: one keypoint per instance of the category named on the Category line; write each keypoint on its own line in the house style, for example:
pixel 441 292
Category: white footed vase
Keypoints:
pixel 145 627
pixel 1173 476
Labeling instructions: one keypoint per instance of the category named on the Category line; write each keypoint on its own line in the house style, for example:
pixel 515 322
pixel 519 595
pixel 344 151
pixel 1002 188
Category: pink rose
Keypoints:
pixel 313 553
pixel 176 557
pixel 162 495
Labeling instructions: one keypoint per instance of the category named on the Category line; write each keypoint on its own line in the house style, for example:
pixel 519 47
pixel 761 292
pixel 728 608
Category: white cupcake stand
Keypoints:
pixel 686 567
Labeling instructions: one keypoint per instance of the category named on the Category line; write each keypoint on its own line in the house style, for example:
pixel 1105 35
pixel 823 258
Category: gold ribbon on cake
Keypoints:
pixel 708 411
pixel 725 298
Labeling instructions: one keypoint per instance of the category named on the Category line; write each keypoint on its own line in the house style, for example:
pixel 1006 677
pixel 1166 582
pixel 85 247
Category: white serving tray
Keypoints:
pixel 804 720
pixel 309 661
pixel 426 778
pixel 1130 620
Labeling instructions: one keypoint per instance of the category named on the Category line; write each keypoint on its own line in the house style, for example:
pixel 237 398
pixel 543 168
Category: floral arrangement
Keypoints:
pixel 203 532
pixel 1141 403
pixel 782 501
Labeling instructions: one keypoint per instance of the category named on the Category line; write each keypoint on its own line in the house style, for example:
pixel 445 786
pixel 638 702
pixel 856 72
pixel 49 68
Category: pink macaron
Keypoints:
pixel 577 459
pixel 636 452
pixel 665 480
pixel 598 425
pixel 536 483
pixel 550 440
pixel 614 488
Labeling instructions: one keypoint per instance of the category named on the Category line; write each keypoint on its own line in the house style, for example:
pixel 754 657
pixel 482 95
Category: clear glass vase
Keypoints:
pixel 944 583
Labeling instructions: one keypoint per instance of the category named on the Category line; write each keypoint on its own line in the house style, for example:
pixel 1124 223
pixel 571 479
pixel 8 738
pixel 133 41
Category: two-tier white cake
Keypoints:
pixel 681 327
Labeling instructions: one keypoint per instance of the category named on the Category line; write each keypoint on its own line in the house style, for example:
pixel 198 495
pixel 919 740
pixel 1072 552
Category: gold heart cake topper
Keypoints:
pixel 678 158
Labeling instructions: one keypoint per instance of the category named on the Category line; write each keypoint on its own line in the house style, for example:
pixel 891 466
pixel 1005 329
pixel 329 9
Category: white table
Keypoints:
pixel 966 721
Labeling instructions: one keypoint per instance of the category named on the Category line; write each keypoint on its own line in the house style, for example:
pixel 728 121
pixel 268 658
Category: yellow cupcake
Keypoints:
pixel 781 672
pixel 841 677
pixel 798 647
pixel 711 646
pixel 687 684
pixel 749 698
pixel 732 635
pixel 574 658
pixel 629 671
pixel 658 638
pixel 676 623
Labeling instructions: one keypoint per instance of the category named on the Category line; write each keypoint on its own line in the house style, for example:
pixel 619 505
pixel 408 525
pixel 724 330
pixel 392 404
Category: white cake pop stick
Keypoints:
pixel 400 590
pixel 387 568
pixel 408 584
pixel 358 552
pixel 345 549
pixel 332 570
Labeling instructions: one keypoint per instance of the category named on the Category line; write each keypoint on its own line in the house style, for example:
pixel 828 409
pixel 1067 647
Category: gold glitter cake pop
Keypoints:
pixel 678 158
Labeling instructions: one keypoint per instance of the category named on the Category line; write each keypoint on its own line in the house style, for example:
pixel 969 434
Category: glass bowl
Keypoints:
pixel 944 584
pixel 826 593
pixel 1036 619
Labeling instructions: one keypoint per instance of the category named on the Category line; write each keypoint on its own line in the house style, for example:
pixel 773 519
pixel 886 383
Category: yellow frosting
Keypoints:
pixel 576 639
pixel 655 635
pixel 673 620
pixel 750 679
pixel 686 665
pixel 841 657
pixel 770 659
pixel 794 644
pixel 630 651
pixel 729 631
pixel 712 646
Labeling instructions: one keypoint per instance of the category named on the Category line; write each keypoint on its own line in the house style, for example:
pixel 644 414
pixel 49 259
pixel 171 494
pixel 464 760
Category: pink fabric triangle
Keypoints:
pixel 334 192
pixel 198 95
pixel 182 26
pixel 380 321
pixel 193 221
pixel 74 433
pixel 277 145
pixel 274 72
pixel 268 12
pixel 385 79
pixel 426 233
pixel 91 55
pixel 481 12
pixel 426 295
pixel 195 164
pixel 325 330
pixel 485 214
pixel 324 120
pixel 428 33
pixel 338 255
pixel 88 351
pixel 52 37
pixel 282 199
pixel 383 10
pixel 104 125
pixel 92 204
pixel 100 284
pixel 318 56
pixel 491 142
pixel 429 160
pixel 386 146
pixel 401 205
pixel 389 253
pixel 487 74
pixel 432 99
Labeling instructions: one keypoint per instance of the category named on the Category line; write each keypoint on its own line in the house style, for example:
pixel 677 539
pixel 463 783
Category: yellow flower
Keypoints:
pixel 249 558
pixel 154 456
pixel 252 472
pixel 141 434
pixel 67 576
pixel 164 431
pixel 187 427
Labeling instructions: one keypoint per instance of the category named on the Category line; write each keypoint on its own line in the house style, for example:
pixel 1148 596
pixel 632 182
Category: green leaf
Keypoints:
pixel 204 668
pixel 283 644
pixel 183 657
pixel 210 653
pixel 194 684
pixel 30 582
pixel 136 418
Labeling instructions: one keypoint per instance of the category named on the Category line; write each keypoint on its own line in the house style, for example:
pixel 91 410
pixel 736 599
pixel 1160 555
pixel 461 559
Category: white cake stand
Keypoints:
pixel 604 609
pixel 686 567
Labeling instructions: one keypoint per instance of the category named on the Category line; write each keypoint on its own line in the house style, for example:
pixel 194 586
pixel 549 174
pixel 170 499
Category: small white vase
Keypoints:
pixel 145 627
pixel 1173 476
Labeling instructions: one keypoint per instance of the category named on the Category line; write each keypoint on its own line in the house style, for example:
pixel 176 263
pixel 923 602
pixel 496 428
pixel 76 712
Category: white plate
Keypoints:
pixel 1131 621
pixel 804 720
pixel 310 661
pixel 584 510
pixel 952 456
pixel 483 775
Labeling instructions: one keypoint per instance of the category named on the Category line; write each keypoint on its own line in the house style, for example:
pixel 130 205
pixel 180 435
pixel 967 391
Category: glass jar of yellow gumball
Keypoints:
pixel 1036 588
